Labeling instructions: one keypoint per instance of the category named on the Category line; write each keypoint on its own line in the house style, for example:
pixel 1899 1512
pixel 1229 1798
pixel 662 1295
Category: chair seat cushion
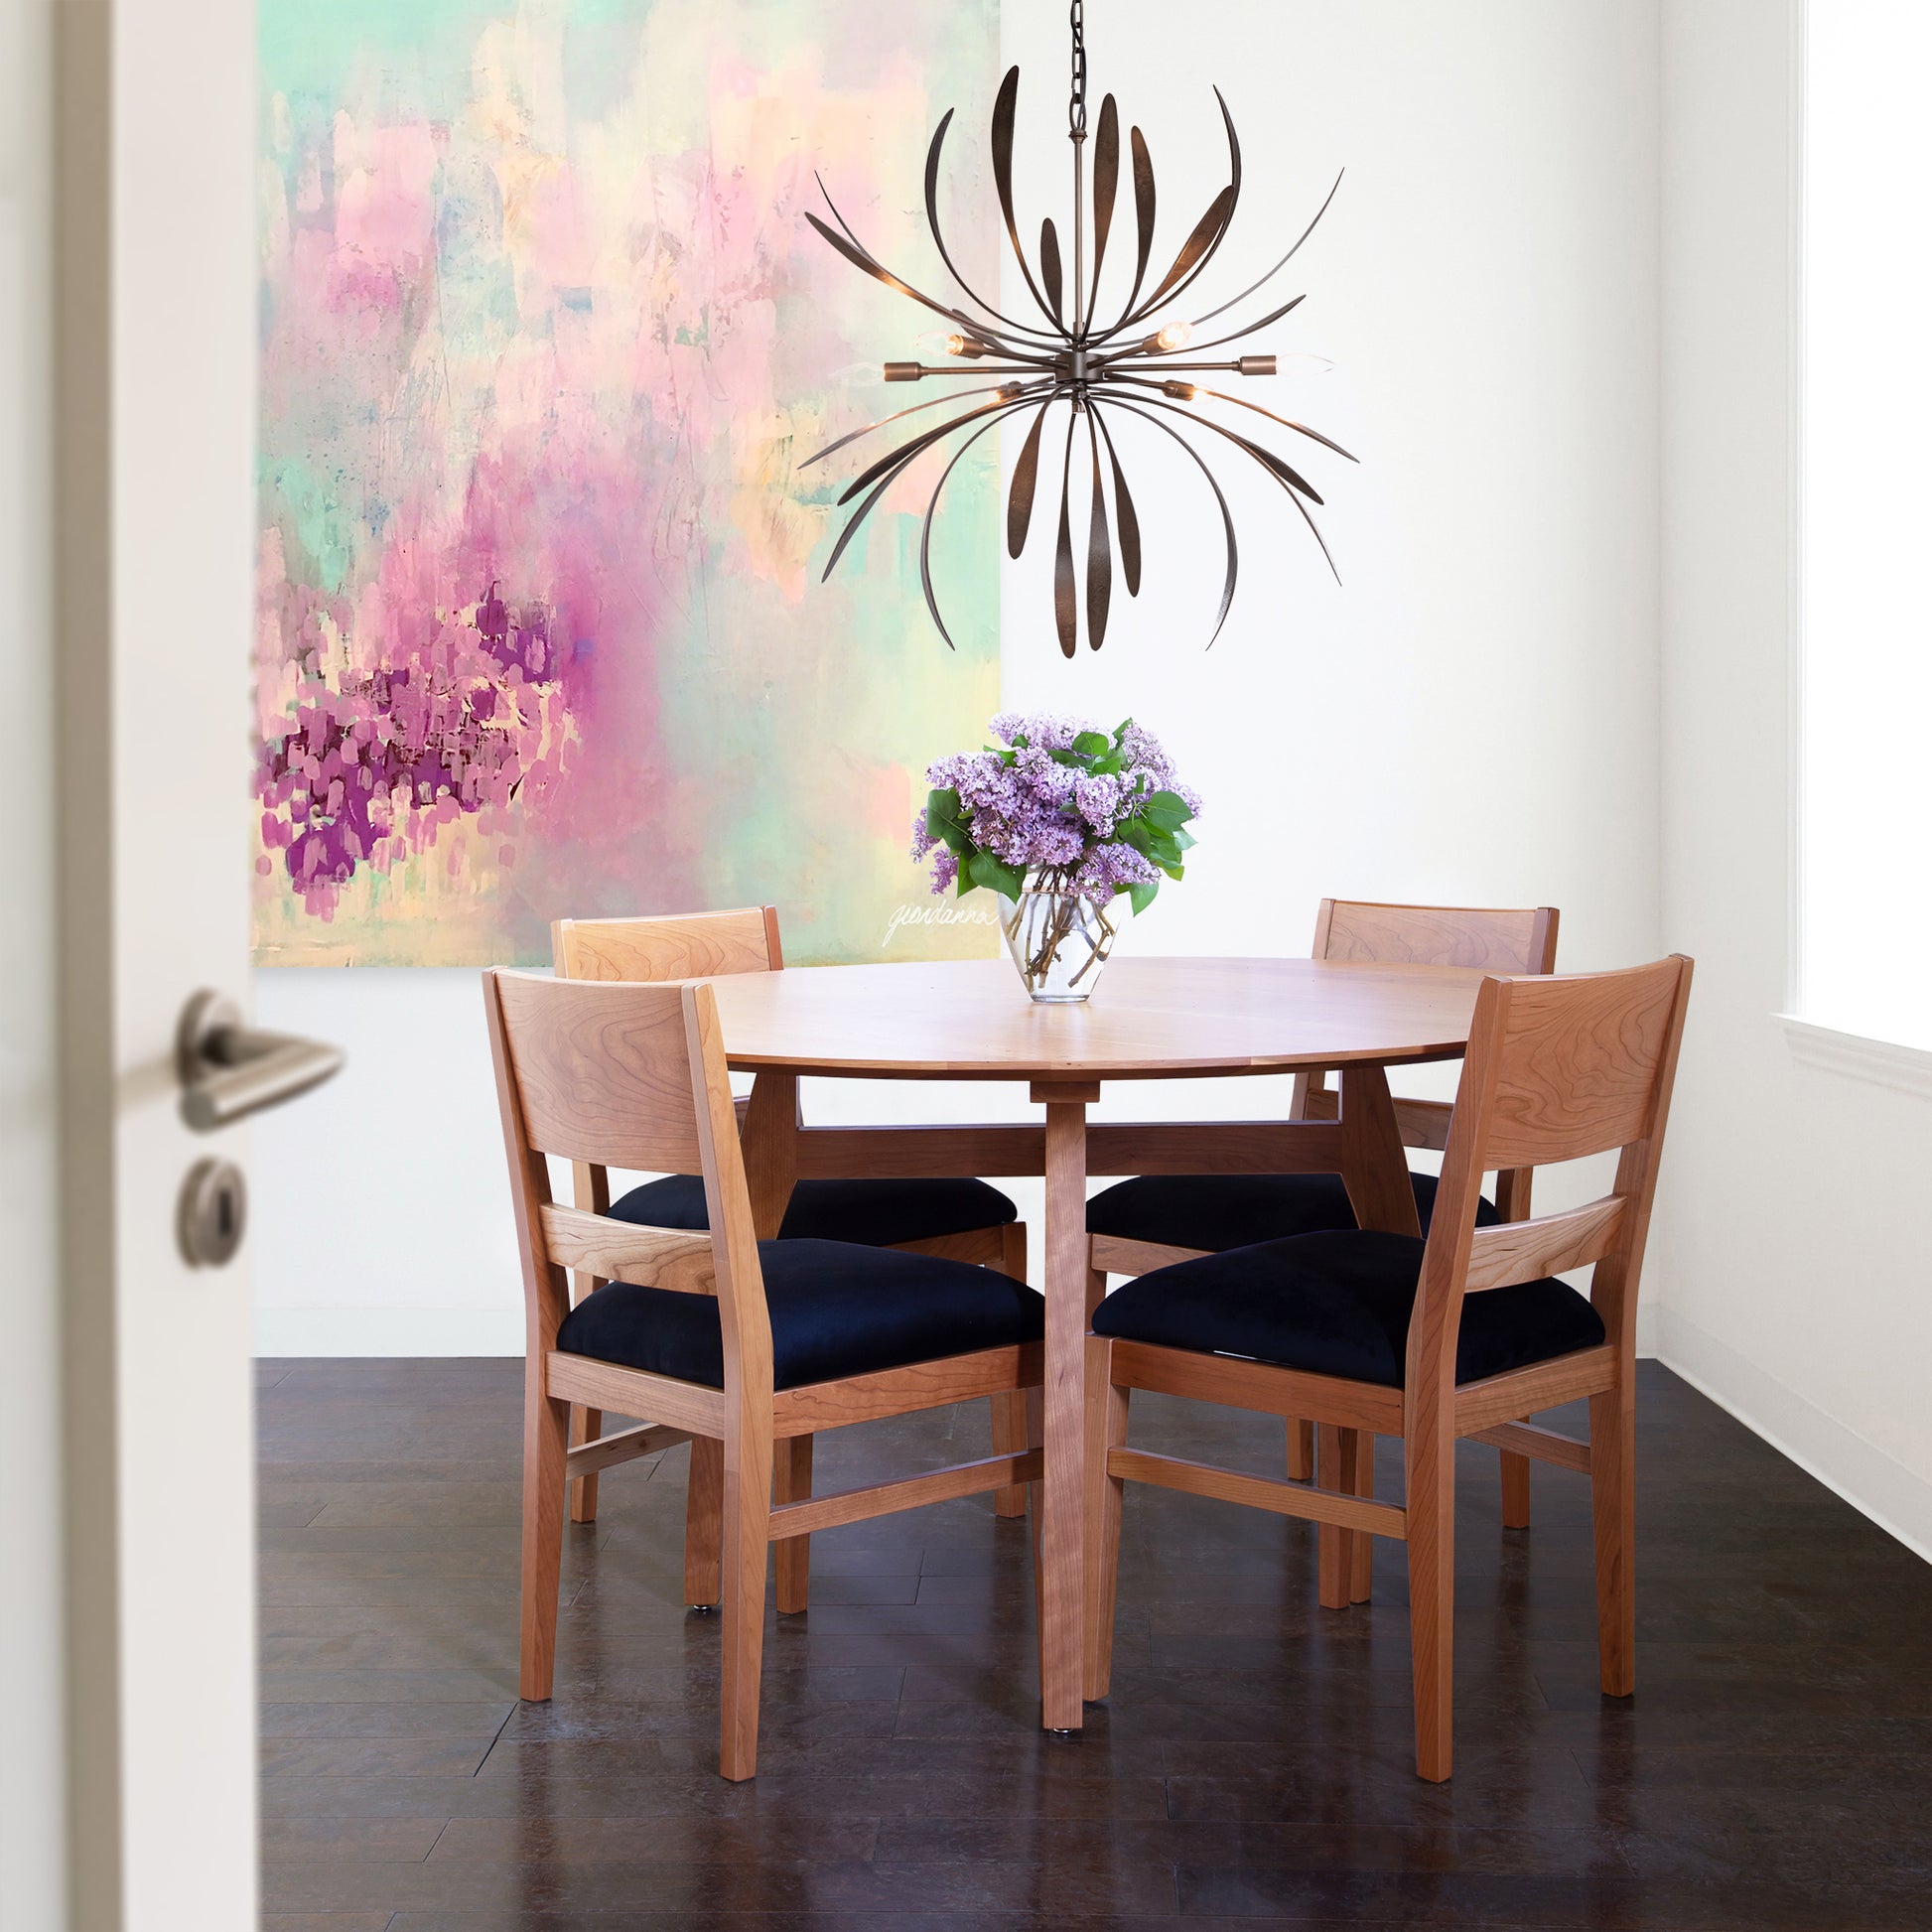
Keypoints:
pixel 837 1308
pixel 1339 1304
pixel 1216 1212
pixel 879 1213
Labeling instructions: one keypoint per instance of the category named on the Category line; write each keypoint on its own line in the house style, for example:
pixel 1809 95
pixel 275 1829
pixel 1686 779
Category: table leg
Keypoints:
pixel 769 1142
pixel 1374 1167
pixel 1062 1529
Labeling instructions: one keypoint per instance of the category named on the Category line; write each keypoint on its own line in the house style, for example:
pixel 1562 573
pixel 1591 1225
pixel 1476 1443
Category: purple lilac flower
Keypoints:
pixel 1039 815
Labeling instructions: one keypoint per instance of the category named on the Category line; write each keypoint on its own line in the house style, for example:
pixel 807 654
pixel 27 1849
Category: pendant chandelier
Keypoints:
pixel 1130 365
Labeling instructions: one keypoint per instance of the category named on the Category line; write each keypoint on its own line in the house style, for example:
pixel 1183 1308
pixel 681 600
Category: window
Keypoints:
pixel 1866 788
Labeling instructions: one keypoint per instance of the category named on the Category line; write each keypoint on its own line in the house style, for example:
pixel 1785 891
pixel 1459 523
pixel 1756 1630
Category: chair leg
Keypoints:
pixel 1106 1429
pixel 586 1426
pixel 1361 1568
pixel 1516 1490
pixel 1035 1404
pixel 1010 1438
pixel 546 1443
pixel 1431 1510
pixel 1335 1546
pixel 791 1482
pixel 1612 1494
pixel 1009 1411
pixel 748 1544
pixel 704 1504
pixel 1300 1449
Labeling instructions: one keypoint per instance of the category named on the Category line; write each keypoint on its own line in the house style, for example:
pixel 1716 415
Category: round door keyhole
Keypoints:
pixel 214 1214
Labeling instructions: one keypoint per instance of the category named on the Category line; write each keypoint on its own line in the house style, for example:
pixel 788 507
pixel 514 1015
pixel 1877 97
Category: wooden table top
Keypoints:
pixel 972 1020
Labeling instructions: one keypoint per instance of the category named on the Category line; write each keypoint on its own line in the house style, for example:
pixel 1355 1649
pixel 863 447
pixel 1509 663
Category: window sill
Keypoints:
pixel 1880 1062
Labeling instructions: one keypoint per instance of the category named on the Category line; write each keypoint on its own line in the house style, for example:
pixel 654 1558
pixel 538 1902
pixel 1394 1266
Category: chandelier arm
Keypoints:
pixel 1100 561
pixel 859 256
pixel 935 403
pixel 1026 476
pixel 1123 512
pixel 1275 468
pixel 1065 612
pixel 1049 269
pixel 1010 327
pixel 1220 395
pixel 904 458
pixel 1187 271
pixel 1003 113
pixel 1278 267
pixel 1227 518
pixel 1248 329
pixel 1106 182
pixel 860 259
pixel 1200 247
pixel 1279 467
pixel 926 533
pixel 898 457
pixel 1241 402
pixel 1143 207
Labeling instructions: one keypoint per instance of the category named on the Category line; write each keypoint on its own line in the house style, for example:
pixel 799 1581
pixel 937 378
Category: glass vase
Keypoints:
pixel 1060 939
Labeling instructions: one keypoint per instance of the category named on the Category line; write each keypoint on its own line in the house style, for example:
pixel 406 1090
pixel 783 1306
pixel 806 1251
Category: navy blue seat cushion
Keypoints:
pixel 879 1213
pixel 1216 1212
pixel 1339 1304
pixel 837 1308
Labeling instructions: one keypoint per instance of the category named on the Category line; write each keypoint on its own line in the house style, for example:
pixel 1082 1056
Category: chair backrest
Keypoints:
pixel 676 946
pixel 1497 940
pixel 1557 1068
pixel 682 946
pixel 632 1075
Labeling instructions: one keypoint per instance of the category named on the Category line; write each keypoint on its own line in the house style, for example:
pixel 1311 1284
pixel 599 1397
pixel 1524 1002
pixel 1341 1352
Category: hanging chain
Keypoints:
pixel 1076 106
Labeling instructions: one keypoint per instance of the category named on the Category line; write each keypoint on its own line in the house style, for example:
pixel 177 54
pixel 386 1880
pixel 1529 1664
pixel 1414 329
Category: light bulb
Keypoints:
pixel 1179 391
pixel 1177 335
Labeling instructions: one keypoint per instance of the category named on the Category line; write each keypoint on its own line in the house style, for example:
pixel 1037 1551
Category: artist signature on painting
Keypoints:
pixel 935 915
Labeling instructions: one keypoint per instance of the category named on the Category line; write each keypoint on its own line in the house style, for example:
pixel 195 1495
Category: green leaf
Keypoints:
pixel 1176 872
pixel 996 875
pixel 1020 741
pixel 1092 745
pixel 946 821
pixel 1185 840
pixel 1136 833
pixel 1169 810
pixel 1142 897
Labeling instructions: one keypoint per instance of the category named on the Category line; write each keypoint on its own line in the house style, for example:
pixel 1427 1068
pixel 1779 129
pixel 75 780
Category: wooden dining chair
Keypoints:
pixel 961 1220
pixel 1156 1220
pixel 1465 1333
pixel 722 1337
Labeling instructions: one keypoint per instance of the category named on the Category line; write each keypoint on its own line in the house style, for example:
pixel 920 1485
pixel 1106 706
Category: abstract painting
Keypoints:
pixel 544 336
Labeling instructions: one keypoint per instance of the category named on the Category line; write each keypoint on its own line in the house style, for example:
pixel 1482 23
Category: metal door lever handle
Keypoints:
pixel 230 1070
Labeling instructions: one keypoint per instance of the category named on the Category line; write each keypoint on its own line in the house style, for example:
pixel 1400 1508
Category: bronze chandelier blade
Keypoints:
pixel 1065 358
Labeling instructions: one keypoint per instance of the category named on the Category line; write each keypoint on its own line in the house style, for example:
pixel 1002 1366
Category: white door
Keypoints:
pixel 152 422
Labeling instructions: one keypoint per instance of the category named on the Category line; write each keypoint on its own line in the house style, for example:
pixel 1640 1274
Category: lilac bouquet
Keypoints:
pixel 1058 811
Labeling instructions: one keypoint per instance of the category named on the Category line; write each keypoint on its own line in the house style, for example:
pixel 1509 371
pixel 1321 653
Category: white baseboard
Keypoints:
pixel 388 1331
pixel 1872 1482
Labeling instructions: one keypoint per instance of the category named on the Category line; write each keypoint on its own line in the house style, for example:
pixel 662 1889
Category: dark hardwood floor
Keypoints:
pixel 1774 1770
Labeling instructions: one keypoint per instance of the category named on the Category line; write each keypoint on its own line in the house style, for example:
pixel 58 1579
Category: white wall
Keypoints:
pixel 33 1755
pixel 1793 1235
pixel 1471 719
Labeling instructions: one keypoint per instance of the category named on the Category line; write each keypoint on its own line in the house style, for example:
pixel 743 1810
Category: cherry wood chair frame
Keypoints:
pixel 634 1076
pixel 1496 940
pixel 702 946
pixel 1557 1069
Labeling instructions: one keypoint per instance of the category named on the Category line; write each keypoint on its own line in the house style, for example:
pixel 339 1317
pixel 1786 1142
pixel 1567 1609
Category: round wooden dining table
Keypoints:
pixel 1149 1019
